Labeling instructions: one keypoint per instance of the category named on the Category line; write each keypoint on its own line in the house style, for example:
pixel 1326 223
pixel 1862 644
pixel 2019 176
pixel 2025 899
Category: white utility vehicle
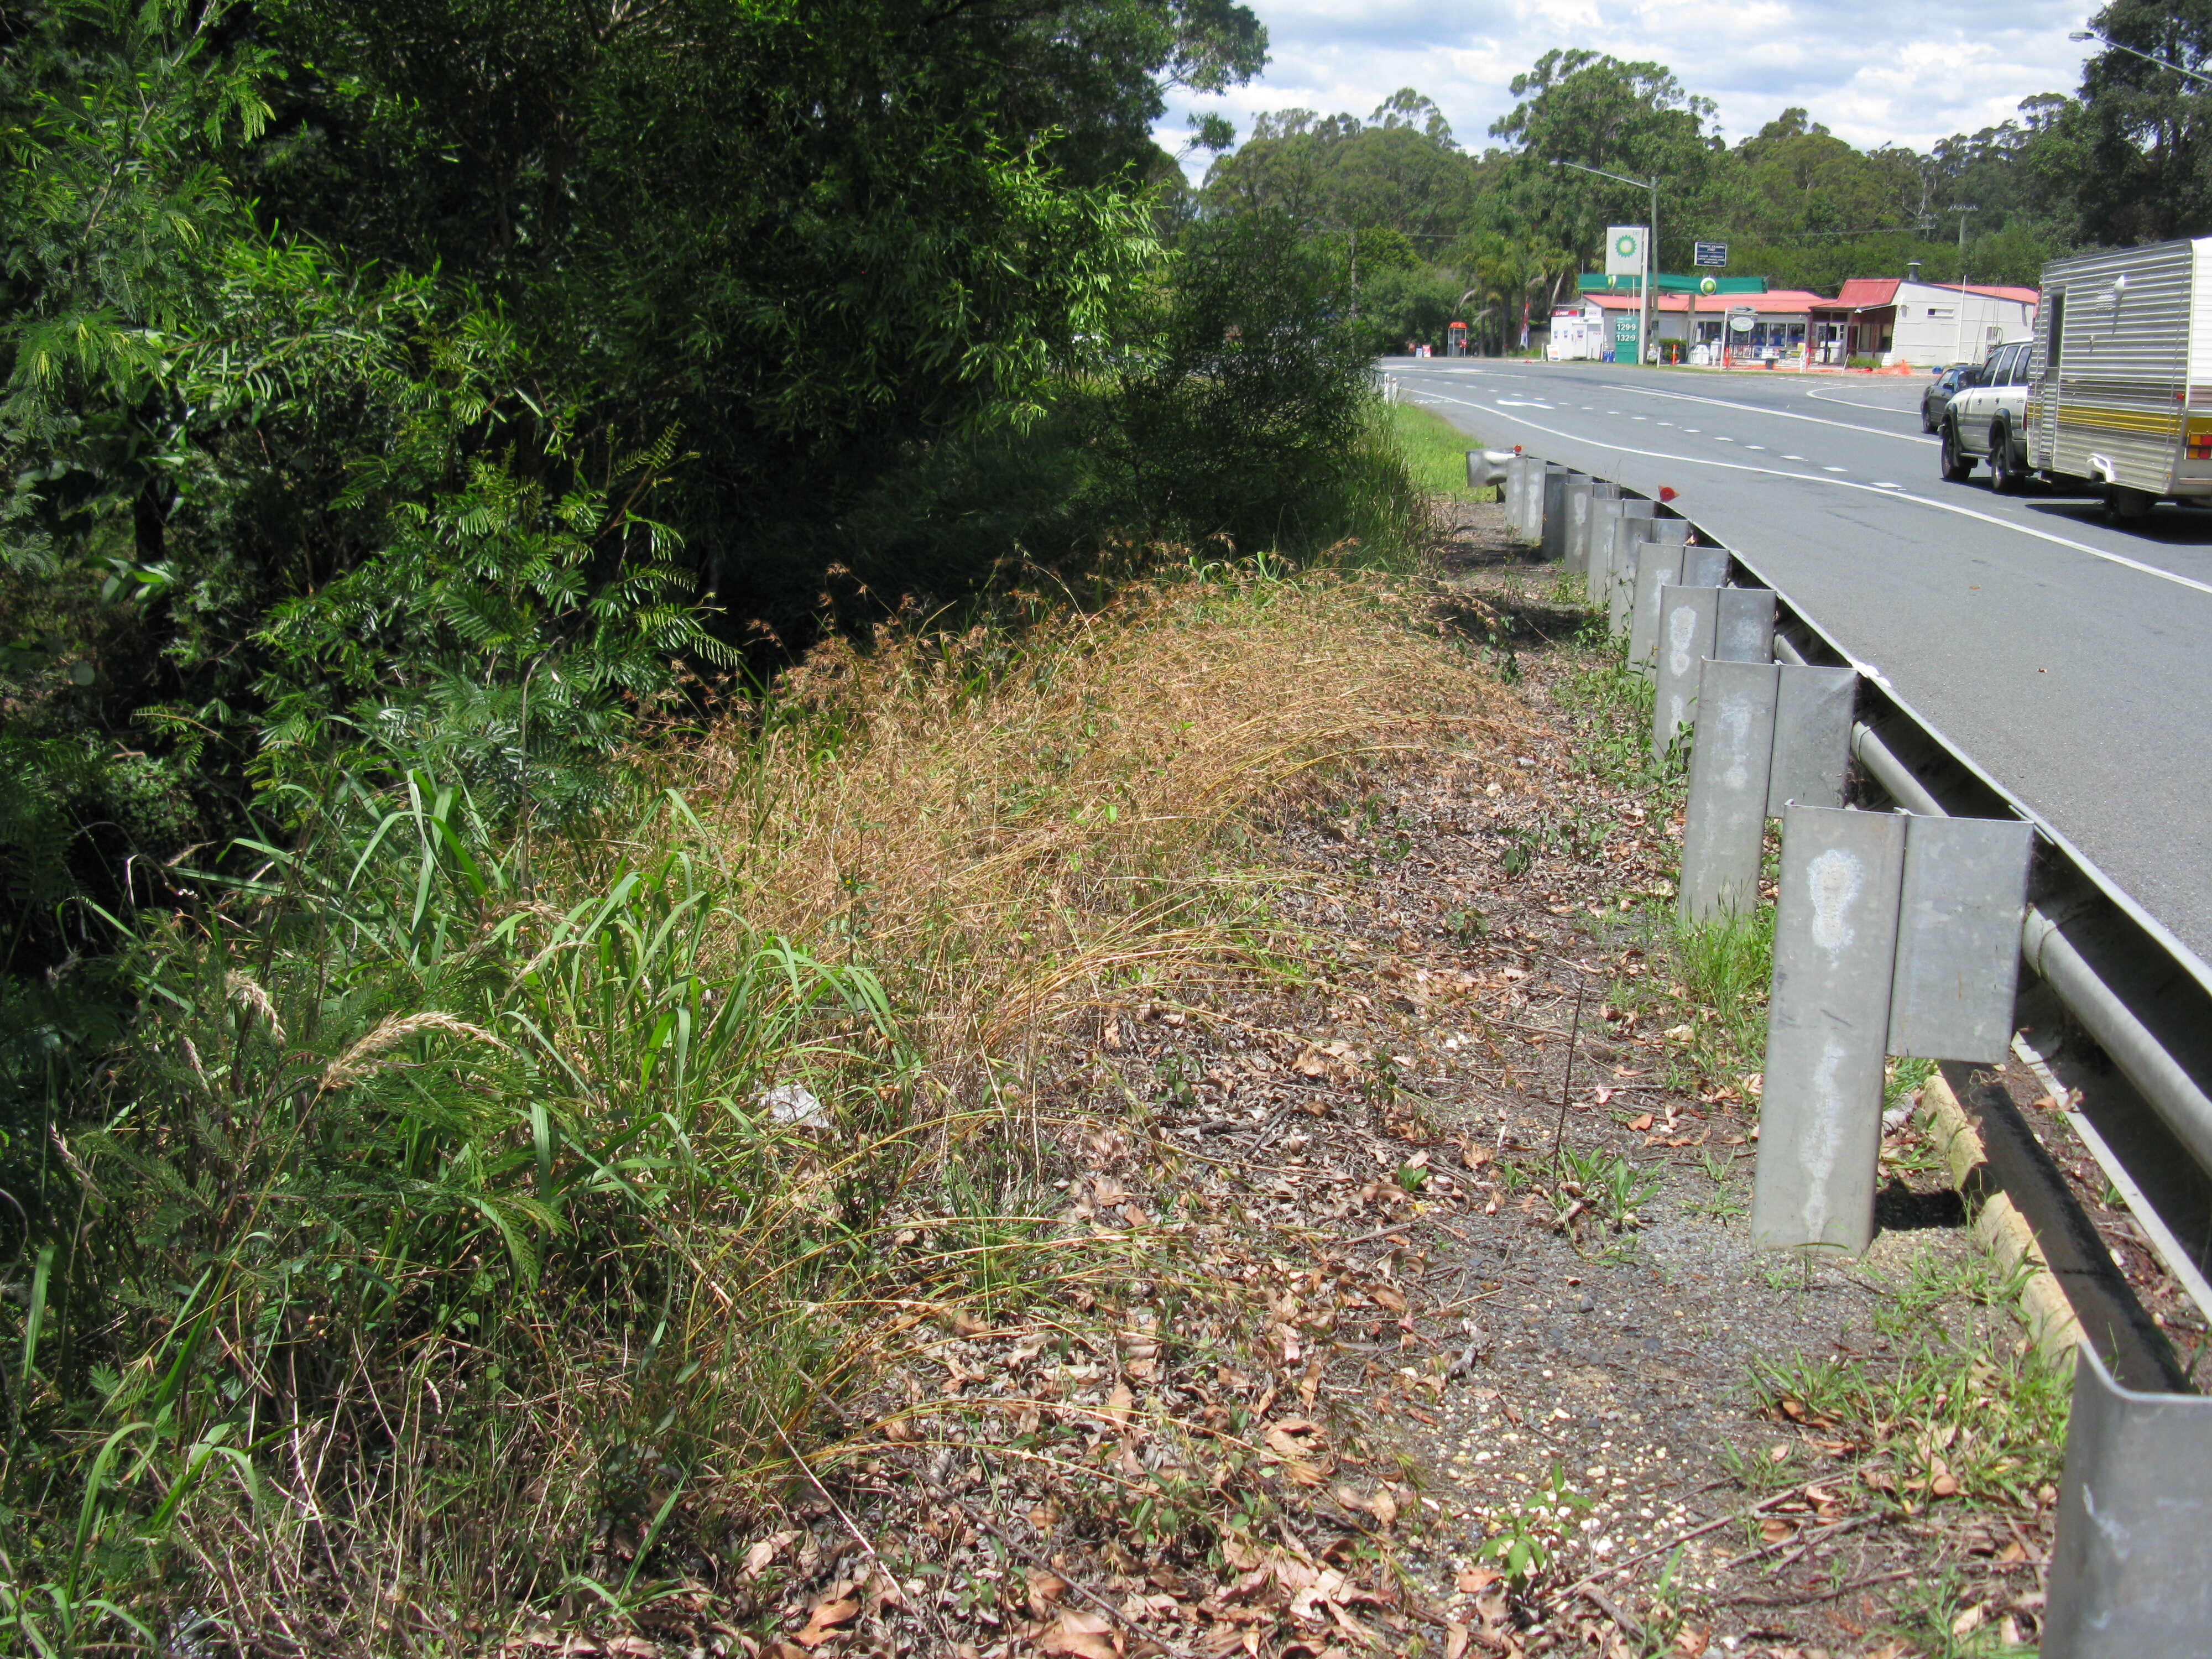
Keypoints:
pixel 2120 398
pixel 1985 419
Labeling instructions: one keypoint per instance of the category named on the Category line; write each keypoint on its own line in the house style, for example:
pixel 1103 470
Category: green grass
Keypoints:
pixel 1434 450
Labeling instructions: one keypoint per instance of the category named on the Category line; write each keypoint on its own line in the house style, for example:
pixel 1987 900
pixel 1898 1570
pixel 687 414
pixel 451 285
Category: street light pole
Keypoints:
pixel 2164 63
pixel 1647 313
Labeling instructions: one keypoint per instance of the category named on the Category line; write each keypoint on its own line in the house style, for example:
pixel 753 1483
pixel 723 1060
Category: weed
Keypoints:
pixel 1525 1536
pixel 464 1202
pixel 1726 965
pixel 1902 1077
pixel 1943 1418
pixel 1467 926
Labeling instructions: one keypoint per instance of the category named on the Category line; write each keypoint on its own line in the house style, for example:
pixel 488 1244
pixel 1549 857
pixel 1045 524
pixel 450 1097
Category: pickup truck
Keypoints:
pixel 1987 419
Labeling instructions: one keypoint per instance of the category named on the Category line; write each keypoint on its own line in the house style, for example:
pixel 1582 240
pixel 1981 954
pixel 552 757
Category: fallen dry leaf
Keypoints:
pixel 1119 1403
pixel 830 1619
pixel 765 1550
pixel 1641 1122
pixel 1081 1636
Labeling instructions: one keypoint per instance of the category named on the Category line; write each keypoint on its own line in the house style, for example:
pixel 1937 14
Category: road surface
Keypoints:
pixel 2071 658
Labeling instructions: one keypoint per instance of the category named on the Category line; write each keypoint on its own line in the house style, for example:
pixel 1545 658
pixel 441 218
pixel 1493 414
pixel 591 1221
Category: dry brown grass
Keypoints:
pixel 1006 833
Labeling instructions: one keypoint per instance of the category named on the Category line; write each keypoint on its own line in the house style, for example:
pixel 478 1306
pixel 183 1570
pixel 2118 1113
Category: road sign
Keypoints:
pixel 1624 250
pixel 1712 254
pixel 1740 321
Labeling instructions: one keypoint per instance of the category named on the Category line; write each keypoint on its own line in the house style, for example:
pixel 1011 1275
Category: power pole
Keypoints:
pixel 1958 342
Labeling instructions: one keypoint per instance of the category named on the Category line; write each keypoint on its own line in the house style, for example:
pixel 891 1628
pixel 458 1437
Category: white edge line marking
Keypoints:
pixel 1895 494
pixel 1848 403
pixel 1784 414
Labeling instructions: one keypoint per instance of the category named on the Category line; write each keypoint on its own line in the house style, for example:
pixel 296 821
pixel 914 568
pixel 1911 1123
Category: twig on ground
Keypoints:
pixel 1830 1594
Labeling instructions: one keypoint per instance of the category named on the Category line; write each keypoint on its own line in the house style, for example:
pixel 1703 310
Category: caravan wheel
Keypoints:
pixel 2129 506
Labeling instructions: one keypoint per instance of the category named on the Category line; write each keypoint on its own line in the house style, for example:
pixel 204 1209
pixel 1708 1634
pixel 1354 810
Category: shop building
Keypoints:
pixel 1903 323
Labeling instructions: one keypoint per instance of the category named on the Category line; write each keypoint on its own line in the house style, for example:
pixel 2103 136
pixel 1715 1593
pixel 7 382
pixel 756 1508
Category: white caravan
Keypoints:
pixel 2120 392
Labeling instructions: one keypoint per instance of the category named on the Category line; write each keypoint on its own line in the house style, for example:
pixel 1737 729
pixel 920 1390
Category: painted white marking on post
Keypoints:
pixel 1823 1147
pixel 1834 879
pixel 1735 717
pixel 1681 621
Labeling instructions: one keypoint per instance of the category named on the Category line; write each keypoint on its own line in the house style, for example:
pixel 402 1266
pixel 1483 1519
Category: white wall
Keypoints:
pixel 1923 340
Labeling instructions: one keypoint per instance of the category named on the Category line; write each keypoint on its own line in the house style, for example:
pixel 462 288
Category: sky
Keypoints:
pixel 1873 72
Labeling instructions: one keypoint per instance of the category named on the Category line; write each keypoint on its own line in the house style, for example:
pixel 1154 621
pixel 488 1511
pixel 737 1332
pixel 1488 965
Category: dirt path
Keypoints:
pixel 1417 1313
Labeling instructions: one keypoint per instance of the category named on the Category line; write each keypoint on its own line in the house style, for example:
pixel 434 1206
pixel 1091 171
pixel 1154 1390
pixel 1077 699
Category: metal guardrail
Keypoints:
pixel 2143 998
pixel 2130 1571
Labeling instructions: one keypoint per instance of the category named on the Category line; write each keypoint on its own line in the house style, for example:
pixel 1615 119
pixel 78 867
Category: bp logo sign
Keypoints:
pixel 1624 250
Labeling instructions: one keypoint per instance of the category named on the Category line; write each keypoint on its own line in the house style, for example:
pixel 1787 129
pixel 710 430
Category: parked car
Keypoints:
pixel 1989 419
pixel 1941 390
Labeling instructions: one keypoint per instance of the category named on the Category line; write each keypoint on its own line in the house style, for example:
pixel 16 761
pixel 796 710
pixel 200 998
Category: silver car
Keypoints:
pixel 1987 420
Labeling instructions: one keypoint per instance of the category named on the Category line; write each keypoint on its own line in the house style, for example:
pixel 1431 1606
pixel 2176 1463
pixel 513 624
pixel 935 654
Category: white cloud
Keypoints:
pixel 1874 71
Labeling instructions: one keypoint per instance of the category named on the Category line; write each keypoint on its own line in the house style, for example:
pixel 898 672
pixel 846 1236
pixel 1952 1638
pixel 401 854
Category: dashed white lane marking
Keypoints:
pixel 1666 424
pixel 1754 446
pixel 1964 512
pixel 1884 484
pixel 1719 440
pixel 1793 457
pixel 1835 469
pixel 1694 428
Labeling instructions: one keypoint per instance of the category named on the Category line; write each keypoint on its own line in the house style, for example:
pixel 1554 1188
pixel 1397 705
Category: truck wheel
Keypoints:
pixel 2005 476
pixel 1958 466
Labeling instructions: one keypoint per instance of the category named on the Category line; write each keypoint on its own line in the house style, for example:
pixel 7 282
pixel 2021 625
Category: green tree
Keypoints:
pixel 1633 119
pixel 2147 130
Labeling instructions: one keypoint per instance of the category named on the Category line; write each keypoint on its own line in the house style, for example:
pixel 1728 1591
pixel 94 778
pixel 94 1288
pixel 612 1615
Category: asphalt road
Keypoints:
pixel 2071 658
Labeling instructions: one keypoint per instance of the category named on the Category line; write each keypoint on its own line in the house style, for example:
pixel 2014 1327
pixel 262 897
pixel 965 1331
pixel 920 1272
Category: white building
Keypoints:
pixel 1924 324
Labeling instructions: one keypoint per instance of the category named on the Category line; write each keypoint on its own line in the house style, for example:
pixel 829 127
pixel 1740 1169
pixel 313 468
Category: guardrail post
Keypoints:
pixel 1532 500
pixel 1725 828
pixel 1835 945
pixel 1516 495
pixel 1688 617
pixel 1574 501
pixel 1556 480
pixel 1659 567
pixel 1894 934
pixel 1582 519
pixel 1958 938
pixel 1812 737
pixel 1704 566
pixel 1744 629
pixel 1597 542
pixel 1634 538
pixel 2131 1563
pixel 1635 517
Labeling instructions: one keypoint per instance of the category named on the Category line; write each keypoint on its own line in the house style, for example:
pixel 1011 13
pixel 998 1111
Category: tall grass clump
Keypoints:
pixel 1434 450
pixel 484 1222
pixel 1725 964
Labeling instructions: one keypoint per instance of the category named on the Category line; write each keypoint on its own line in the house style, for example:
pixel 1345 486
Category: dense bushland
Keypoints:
pixel 598 639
